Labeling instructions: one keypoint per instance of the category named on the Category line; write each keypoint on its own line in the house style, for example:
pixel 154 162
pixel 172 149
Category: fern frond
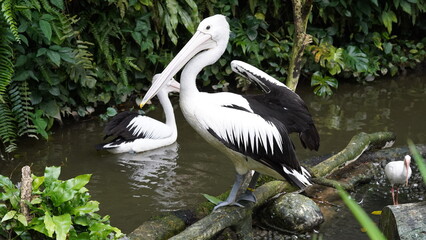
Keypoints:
pixel 129 62
pixel 103 40
pixel 122 5
pixel 6 64
pixel 8 9
pixel 83 71
pixel 19 99
pixel 7 128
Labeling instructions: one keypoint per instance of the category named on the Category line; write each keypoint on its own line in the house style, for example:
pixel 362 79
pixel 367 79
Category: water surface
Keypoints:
pixel 134 187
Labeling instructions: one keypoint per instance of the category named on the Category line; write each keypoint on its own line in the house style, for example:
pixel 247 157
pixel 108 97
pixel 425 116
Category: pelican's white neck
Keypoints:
pixel 194 67
pixel 167 108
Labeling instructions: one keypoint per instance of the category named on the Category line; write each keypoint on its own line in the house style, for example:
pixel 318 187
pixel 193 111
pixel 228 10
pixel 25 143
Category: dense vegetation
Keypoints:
pixel 66 58
pixel 57 210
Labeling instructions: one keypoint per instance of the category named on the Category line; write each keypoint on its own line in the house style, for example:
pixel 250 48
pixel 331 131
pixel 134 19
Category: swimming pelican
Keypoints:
pixel 136 133
pixel 250 130
pixel 398 172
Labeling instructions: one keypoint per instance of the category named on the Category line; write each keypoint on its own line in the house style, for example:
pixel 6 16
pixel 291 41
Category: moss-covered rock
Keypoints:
pixel 291 212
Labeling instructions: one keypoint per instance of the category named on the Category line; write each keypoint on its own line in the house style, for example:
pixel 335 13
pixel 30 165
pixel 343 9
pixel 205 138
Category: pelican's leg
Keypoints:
pixel 233 194
pixel 248 195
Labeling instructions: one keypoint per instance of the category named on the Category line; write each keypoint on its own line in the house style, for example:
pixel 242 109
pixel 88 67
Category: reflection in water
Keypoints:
pixel 155 169
pixel 134 187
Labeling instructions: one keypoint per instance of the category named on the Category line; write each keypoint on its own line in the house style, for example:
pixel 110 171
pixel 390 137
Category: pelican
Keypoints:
pixel 250 130
pixel 398 172
pixel 136 133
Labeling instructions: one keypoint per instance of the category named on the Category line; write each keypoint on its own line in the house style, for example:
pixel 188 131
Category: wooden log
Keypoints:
pixel 215 222
pixel 404 221
pixel 357 146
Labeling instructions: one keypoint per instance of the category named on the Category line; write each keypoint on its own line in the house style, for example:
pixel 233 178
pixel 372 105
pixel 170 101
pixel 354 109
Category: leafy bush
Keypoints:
pixel 58 209
pixel 68 58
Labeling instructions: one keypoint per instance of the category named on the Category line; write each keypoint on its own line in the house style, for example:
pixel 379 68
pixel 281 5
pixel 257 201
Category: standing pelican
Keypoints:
pixel 136 133
pixel 398 172
pixel 250 130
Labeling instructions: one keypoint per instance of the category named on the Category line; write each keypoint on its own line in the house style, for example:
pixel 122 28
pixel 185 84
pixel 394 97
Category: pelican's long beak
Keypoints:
pixel 199 42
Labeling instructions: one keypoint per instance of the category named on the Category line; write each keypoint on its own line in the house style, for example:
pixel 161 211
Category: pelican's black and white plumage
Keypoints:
pixel 250 130
pixel 136 133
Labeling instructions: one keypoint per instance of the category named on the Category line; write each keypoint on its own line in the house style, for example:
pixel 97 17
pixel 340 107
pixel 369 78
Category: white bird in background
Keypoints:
pixel 136 133
pixel 253 131
pixel 398 173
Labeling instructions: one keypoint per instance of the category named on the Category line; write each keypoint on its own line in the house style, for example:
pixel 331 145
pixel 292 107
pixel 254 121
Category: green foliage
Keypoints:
pixel 74 56
pixel 8 11
pixel 370 227
pixel 323 84
pixel 59 210
pixel 372 37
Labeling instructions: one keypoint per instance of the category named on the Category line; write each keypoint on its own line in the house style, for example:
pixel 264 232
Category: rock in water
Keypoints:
pixel 292 213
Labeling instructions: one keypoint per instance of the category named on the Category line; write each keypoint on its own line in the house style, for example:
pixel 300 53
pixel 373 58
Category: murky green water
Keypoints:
pixel 134 187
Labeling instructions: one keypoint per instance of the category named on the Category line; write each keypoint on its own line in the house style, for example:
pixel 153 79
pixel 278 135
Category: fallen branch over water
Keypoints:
pixel 240 218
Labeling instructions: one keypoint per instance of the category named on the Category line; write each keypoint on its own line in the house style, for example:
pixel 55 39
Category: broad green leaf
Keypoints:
pixel 82 220
pixel 61 193
pixel 406 7
pixel 58 3
pixel 212 199
pixel 62 226
pixel 186 20
pixel 51 109
pixel 89 207
pixel 36 201
pixel 51 174
pixel 252 34
pixel 387 47
pixel 9 215
pixel 137 36
pixel 103 230
pixel 49 224
pixel 372 230
pixel 46 29
pixel 21 218
pixel 55 57
pixel 375 2
pixel 388 18
pixel 111 112
pixel 55 91
pixel 80 181
pixel 356 59
pixel 5 182
pixel 41 51
pixel 39 227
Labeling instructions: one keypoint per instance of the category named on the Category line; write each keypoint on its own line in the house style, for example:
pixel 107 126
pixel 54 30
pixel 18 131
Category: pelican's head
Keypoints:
pixel 212 35
pixel 407 161
pixel 170 86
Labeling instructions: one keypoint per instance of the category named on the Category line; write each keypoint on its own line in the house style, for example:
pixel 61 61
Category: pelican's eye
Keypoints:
pixel 208 27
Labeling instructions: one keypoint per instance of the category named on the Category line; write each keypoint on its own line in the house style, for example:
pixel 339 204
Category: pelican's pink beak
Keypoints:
pixel 199 42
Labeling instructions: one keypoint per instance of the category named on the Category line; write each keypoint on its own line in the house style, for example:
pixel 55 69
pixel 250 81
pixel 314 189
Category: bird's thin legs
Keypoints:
pixel 231 200
pixel 396 196
pixel 248 194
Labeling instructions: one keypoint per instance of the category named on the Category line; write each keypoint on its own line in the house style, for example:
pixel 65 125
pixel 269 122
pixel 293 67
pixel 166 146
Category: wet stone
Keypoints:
pixel 291 213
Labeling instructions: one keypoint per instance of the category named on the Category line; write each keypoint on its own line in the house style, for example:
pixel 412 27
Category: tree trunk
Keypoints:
pixel 301 11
